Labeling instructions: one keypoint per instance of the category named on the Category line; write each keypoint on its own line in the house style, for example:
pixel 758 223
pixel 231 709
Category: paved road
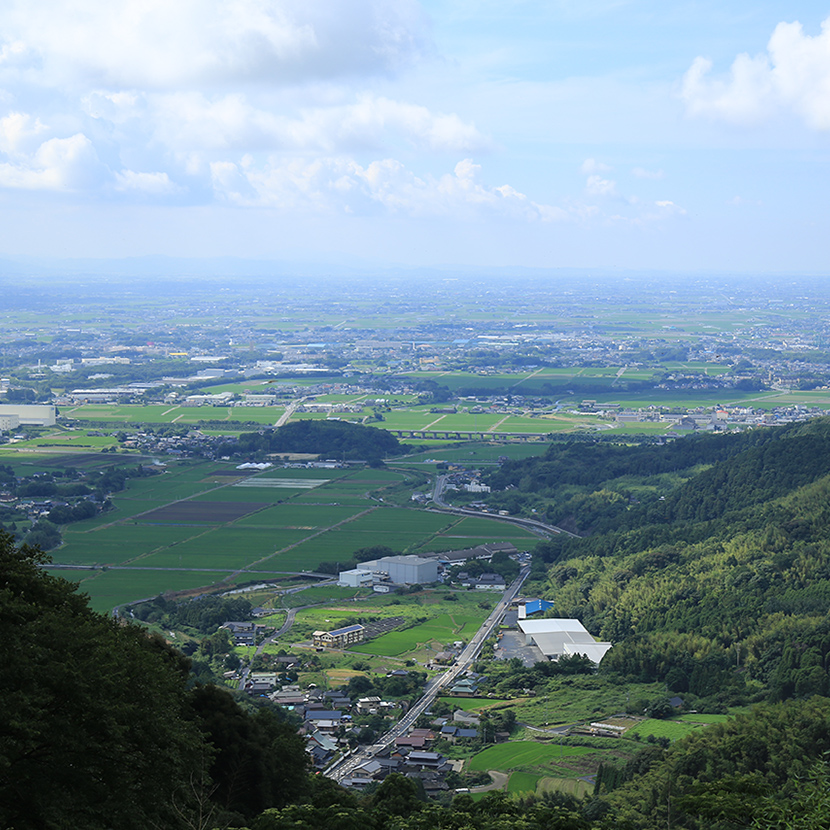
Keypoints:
pixel 344 768
pixel 529 524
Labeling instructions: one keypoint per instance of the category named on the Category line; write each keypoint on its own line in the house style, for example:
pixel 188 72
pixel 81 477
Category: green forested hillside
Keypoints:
pixel 721 588
pixel 603 487
pixel 101 728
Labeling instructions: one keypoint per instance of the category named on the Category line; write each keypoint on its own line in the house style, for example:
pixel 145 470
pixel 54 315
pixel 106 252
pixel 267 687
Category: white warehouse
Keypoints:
pixel 404 570
pixel 28 414
pixel 561 638
pixel 355 578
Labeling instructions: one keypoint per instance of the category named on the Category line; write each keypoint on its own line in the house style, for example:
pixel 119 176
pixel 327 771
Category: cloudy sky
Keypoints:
pixel 637 134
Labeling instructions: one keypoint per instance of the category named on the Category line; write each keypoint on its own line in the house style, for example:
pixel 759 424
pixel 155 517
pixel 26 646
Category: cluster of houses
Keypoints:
pixel 414 755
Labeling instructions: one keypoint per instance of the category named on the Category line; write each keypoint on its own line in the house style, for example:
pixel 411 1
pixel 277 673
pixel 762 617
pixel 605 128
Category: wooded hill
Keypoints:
pixel 720 586
pixel 339 440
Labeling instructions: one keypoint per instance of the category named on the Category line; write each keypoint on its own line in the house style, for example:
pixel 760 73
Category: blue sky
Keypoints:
pixel 680 136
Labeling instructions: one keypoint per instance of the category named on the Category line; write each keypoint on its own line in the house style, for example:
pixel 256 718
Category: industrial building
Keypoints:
pixel 28 415
pixel 340 637
pixel 562 638
pixel 403 570
pixel 356 578
pixel 533 606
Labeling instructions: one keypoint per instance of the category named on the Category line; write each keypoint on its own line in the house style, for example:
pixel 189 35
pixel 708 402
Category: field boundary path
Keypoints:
pixel 305 539
pixel 344 767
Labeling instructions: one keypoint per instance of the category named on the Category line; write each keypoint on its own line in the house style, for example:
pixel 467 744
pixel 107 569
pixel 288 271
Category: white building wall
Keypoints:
pixel 32 414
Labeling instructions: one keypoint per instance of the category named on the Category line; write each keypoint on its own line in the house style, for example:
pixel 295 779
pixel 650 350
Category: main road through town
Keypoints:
pixel 346 766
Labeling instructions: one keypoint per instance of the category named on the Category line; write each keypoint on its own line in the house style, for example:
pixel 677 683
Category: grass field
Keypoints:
pixel 573 699
pixel 674 730
pixel 110 588
pixel 472 704
pixel 524 754
pixel 434 633
pixel 523 782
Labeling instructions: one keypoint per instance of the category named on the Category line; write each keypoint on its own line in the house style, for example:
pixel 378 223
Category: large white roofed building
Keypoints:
pixel 557 638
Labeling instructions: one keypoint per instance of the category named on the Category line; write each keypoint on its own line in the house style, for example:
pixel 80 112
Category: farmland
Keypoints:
pixel 428 624
pixel 518 754
pixel 430 635
pixel 202 523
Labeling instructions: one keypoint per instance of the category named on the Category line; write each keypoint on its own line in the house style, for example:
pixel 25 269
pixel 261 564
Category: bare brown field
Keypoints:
pixel 209 512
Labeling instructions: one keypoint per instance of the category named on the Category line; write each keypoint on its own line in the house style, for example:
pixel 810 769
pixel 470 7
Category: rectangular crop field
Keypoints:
pixel 671 729
pixel 264 495
pixel 226 547
pixel 474 526
pixel 523 782
pixel 283 483
pixel 391 519
pixel 117 544
pixel 304 516
pixel 202 512
pixel 524 754
pixel 116 587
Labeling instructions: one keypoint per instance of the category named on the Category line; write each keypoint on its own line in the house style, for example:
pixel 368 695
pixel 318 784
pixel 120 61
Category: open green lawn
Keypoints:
pixel 524 754
pixel 674 730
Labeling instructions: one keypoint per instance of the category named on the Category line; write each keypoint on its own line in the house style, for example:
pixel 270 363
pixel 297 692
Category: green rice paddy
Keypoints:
pixel 199 527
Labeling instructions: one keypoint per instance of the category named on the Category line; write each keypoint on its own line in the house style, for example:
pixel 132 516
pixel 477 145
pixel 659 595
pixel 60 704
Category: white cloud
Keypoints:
pixel 117 107
pixel 793 74
pixel 597 186
pixel 642 173
pixel 187 43
pixel 155 184
pixel 668 208
pixel 191 120
pixel 331 185
pixel 18 130
pixel 58 164
pixel 591 166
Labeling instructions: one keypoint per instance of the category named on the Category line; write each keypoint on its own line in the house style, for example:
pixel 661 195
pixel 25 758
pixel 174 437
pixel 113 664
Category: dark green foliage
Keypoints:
pixel 260 762
pixel 63 514
pixel 587 486
pixel 204 614
pixel 92 707
pixel 98 728
pixel 729 774
pixel 43 535
pixel 340 440
pixel 506 676
pixel 719 591
pixel 396 805
pixel 396 687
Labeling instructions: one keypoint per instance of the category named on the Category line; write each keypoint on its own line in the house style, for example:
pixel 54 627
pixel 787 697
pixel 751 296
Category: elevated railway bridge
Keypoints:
pixel 472 435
